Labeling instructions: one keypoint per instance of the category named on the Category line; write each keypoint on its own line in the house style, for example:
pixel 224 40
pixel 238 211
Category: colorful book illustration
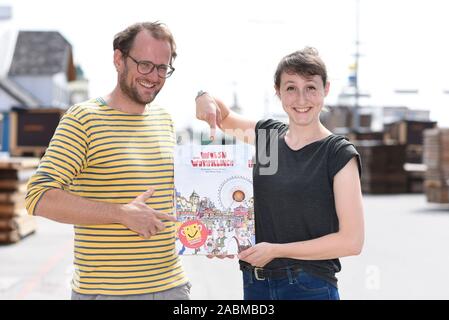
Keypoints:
pixel 214 199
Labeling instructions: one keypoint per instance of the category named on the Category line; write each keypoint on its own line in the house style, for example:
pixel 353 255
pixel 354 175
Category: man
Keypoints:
pixel 220 242
pixel 241 240
pixel 109 171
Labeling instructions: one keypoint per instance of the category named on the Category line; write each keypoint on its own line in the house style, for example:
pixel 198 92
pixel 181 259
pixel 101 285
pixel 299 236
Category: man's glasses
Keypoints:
pixel 146 67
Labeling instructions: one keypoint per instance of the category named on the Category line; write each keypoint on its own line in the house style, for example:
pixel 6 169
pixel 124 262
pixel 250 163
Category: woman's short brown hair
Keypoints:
pixel 305 62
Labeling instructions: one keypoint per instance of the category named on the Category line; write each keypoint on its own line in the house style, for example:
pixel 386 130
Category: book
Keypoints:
pixel 214 199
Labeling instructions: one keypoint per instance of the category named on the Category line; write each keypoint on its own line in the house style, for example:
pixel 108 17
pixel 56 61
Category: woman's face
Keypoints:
pixel 302 97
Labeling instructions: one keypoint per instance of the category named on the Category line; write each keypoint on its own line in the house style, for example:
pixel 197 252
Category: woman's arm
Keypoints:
pixel 216 113
pixel 347 241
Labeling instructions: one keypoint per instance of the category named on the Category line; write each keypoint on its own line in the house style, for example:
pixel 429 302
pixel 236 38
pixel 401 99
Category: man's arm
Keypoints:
pixel 64 207
pixel 64 159
pixel 216 113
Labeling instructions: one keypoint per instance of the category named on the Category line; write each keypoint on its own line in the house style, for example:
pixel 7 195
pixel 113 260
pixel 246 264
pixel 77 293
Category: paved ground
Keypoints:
pixel 405 257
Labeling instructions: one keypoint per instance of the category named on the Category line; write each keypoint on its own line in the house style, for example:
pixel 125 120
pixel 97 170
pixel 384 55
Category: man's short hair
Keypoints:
pixel 124 40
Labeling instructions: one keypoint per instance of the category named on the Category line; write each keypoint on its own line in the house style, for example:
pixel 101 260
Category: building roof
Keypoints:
pixel 8 39
pixel 42 53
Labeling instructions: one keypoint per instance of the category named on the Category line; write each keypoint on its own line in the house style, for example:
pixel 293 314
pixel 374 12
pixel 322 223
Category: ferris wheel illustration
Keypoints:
pixel 234 191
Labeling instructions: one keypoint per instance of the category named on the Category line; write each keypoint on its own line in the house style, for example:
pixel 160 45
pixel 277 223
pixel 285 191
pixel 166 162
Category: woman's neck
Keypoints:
pixel 300 136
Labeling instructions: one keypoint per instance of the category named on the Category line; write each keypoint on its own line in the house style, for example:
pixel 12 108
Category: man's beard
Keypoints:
pixel 132 92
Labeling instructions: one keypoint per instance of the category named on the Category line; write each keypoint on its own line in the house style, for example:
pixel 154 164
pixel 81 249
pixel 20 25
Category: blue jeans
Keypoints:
pixel 299 286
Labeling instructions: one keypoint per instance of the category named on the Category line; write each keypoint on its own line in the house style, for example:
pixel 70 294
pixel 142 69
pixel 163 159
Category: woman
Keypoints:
pixel 307 196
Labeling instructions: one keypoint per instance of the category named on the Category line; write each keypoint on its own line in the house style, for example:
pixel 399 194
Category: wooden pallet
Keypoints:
pixel 15 223
pixel 9 197
pixel 34 152
pixel 415 177
pixel 408 131
pixel 12 186
pixel 9 210
pixel 15 229
pixel 366 136
pixel 382 167
pixel 18 163
pixel 384 188
pixel 414 153
pixel 437 195
pixel 436 158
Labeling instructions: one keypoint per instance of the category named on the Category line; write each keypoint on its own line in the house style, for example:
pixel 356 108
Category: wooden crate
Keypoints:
pixel 380 158
pixel 382 167
pixel 337 117
pixel 436 150
pixel 414 153
pixel 415 177
pixel 366 135
pixel 365 120
pixel 436 158
pixel 407 131
pixel 30 130
pixel 437 195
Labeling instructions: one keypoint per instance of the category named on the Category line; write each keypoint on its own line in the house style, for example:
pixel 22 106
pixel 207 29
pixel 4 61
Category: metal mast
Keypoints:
pixel 356 120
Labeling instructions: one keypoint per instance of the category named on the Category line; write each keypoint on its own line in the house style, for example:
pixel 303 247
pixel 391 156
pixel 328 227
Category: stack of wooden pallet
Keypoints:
pixel 365 135
pixel 436 158
pixel 415 177
pixel 382 167
pixel 15 223
pixel 409 133
pixel 336 117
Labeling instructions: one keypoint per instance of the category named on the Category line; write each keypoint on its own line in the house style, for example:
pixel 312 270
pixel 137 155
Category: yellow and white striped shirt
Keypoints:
pixel 106 155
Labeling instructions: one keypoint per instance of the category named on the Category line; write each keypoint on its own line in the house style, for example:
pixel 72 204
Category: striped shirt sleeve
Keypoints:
pixel 64 159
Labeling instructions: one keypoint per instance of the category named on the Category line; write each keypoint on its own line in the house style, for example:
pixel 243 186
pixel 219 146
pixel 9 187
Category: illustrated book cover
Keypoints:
pixel 214 199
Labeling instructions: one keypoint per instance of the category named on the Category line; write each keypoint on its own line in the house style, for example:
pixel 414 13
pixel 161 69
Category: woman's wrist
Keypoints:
pixel 277 250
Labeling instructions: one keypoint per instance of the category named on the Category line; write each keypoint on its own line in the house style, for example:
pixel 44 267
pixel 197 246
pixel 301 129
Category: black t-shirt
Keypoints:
pixel 297 203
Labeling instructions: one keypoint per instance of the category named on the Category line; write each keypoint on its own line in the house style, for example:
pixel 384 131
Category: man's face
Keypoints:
pixel 142 89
